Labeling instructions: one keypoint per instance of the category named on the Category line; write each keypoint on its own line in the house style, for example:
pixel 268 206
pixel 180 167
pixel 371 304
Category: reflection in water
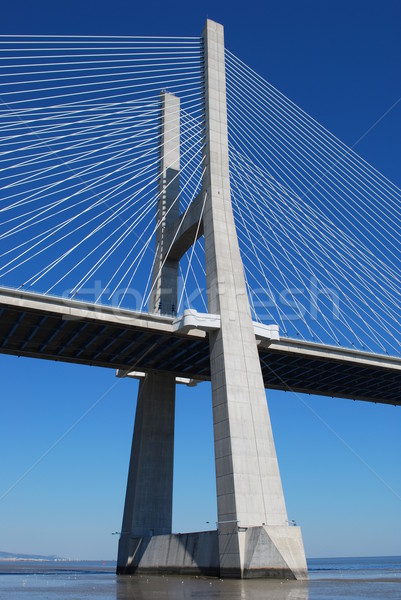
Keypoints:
pixel 141 587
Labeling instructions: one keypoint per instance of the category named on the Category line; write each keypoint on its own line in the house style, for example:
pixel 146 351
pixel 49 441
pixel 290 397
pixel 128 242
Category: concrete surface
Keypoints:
pixel 249 491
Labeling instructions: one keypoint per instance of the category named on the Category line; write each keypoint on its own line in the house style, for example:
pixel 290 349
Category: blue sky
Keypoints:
pixel 339 460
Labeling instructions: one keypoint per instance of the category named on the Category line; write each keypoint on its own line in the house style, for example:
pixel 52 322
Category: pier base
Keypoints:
pixel 268 552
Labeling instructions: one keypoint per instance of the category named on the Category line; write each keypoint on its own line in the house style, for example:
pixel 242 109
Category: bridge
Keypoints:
pixel 266 253
pixel 37 326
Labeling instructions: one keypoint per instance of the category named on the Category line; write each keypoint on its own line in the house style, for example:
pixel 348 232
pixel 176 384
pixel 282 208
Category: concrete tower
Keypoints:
pixel 253 537
pixel 149 496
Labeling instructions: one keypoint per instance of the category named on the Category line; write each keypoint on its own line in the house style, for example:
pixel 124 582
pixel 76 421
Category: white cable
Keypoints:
pixel 192 250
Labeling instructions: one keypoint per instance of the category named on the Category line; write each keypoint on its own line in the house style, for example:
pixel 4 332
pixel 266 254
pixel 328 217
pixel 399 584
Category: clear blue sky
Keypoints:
pixel 340 460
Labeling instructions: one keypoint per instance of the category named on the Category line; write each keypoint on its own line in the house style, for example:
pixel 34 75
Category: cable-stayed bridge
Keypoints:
pixel 169 213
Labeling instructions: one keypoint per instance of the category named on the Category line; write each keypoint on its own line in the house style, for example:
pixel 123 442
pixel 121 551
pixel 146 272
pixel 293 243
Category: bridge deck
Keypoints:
pixel 33 325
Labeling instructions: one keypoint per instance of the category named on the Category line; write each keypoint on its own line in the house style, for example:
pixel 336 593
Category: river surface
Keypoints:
pixel 329 579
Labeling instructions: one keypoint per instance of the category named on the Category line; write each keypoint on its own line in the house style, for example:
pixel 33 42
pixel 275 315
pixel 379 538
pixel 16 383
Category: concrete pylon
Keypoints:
pixel 163 296
pixel 253 536
pixel 253 532
pixel 149 496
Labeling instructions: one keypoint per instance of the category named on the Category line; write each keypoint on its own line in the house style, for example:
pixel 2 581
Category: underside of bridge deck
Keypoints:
pixel 64 330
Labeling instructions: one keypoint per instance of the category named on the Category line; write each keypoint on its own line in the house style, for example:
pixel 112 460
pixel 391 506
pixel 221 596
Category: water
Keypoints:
pixel 330 579
pixel 369 568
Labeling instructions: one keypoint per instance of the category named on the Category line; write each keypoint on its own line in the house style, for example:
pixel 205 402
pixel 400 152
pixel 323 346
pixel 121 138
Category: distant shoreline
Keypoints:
pixel 27 559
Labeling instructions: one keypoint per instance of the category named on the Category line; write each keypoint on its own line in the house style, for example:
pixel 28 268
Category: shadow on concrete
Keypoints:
pixel 181 553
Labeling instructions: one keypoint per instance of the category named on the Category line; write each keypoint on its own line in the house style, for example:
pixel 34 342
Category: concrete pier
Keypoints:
pixel 163 296
pixel 253 537
pixel 149 495
pixel 249 491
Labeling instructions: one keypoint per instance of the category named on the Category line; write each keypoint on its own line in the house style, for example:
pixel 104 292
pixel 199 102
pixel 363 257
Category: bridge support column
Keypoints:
pixel 149 496
pixel 253 537
pixel 163 296
pixel 148 502
pixel 253 532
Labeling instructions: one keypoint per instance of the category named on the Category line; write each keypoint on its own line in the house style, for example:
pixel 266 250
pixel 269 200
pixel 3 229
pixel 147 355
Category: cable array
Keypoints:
pixel 319 228
pixel 79 163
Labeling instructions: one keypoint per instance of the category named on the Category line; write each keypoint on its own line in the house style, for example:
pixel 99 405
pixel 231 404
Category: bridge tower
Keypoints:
pixel 253 536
